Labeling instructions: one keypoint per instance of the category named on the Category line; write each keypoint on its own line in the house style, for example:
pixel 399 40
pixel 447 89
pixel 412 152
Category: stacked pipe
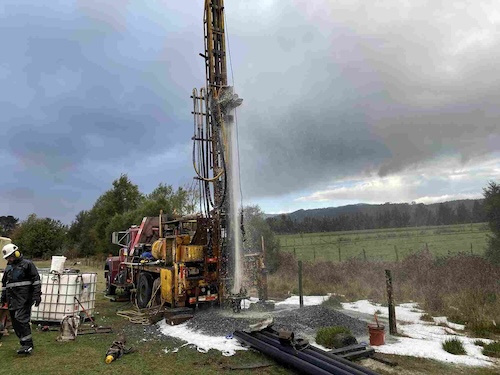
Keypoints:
pixel 309 360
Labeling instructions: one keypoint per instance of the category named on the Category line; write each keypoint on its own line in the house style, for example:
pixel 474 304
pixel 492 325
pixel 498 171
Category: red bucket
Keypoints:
pixel 377 334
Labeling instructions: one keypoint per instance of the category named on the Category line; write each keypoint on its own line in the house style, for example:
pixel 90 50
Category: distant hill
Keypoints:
pixel 375 216
pixel 371 209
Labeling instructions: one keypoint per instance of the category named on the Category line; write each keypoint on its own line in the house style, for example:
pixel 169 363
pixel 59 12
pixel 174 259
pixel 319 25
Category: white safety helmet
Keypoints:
pixel 9 250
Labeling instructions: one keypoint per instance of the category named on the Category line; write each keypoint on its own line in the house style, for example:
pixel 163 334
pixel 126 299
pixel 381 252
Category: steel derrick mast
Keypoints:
pixel 213 106
pixel 188 260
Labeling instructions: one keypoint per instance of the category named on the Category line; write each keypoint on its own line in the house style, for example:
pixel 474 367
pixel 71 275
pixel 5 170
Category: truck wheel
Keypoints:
pixel 144 289
pixel 110 289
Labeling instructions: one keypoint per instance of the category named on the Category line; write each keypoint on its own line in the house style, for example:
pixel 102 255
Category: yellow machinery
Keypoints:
pixel 165 261
pixel 187 261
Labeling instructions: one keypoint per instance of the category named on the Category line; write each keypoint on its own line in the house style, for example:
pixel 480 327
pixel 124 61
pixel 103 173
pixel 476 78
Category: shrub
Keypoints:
pixel 456 318
pixel 454 346
pixel 479 343
pixel 326 335
pixel 426 318
pixel 483 328
pixel 334 301
pixel 492 349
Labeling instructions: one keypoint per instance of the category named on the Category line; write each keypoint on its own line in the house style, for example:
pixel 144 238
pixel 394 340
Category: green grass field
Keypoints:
pixel 85 355
pixel 387 244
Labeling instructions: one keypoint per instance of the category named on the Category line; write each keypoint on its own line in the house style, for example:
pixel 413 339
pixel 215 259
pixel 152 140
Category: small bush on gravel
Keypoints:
pixel 326 335
pixel 334 301
pixel 454 346
pixel 492 349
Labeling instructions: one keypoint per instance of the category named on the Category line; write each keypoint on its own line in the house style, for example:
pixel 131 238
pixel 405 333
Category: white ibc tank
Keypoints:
pixel 60 293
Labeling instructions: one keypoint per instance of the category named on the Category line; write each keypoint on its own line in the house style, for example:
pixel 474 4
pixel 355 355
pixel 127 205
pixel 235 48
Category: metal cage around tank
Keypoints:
pixel 61 293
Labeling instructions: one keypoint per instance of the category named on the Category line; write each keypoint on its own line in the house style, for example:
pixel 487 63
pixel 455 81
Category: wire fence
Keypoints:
pixel 387 245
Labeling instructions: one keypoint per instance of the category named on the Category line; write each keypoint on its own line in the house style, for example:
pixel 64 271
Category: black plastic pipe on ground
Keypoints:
pixel 319 353
pixel 282 357
pixel 358 367
pixel 328 365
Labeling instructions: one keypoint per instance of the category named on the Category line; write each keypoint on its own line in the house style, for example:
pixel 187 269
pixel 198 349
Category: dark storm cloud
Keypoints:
pixel 335 89
pixel 92 89
pixel 90 86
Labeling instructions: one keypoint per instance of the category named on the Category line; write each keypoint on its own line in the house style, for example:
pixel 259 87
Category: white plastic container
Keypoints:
pixel 3 241
pixel 57 264
pixel 61 293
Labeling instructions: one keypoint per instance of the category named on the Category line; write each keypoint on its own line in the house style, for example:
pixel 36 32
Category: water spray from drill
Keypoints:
pixel 235 216
pixel 215 154
pixel 186 261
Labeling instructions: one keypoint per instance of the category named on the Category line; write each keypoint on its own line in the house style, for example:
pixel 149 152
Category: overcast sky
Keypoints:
pixel 344 101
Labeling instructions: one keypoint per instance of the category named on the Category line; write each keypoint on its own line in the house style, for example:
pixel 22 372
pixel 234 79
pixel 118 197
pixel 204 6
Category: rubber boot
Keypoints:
pixel 25 350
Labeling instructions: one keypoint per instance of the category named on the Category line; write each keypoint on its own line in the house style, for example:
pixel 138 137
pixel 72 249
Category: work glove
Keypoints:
pixel 36 301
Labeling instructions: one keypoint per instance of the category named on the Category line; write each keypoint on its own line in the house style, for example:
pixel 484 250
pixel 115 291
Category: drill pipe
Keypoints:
pixel 321 354
pixel 303 366
pixel 327 364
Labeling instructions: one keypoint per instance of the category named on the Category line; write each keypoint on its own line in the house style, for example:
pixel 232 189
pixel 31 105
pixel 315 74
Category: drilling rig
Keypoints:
pixel 191 260
pixel 214 151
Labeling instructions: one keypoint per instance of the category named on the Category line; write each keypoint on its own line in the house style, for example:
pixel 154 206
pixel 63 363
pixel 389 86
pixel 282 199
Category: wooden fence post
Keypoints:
pixel 301 295
pixel 263 272
pixel 364 254
pixel 397 255
pixel 390 301
pixel 340 256
pixel 471 249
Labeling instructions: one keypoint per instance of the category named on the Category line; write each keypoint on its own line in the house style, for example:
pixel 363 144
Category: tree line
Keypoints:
pixel 117 209
pixel 124 205
pixel 385 216
pixel 90 232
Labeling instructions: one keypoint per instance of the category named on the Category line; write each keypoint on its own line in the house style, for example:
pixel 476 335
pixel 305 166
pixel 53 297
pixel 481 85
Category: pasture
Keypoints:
pixel 86 354
pixel 387 244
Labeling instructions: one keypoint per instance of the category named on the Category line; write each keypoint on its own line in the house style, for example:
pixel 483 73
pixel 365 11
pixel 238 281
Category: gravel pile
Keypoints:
pixel 309 318
pixel 303 322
